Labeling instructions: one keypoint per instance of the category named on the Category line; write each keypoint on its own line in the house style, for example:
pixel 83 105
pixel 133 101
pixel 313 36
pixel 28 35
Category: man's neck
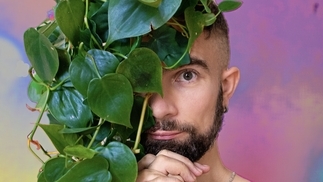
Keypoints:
pixel 218 172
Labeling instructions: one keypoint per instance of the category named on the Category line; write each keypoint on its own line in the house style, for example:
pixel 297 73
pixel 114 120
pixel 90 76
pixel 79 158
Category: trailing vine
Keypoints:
pixel 93 68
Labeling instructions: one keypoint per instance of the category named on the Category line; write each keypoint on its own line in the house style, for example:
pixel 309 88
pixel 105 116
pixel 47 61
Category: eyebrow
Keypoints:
pixel 193 61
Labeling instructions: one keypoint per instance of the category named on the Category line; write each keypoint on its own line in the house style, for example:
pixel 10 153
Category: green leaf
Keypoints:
pixel 69 15
pixel 144 71
pixel 54 169
pixel 64 63
pixel 59 140
pixel 125 132
pixel 35 91
pixel 111 98
pixel 123 164
pixel 96 64
pixel 205 4
pixel 100 21
pixel 229 5
pixel 79 151
pixel 152 3
pixel 169 45
pixel 67 107
pixel 95 169
pixel 133 18
pixel 195 23
pixel 42 101
pixel 41 54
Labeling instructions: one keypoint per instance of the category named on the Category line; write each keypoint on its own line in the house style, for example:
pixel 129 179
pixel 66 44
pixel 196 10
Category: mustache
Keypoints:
pixel 171 125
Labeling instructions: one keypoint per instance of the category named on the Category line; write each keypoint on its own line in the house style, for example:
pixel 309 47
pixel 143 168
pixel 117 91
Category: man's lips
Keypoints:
pixel 164 135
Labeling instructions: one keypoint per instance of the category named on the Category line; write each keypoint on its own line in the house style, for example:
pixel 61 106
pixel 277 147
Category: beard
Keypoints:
pixel 196 145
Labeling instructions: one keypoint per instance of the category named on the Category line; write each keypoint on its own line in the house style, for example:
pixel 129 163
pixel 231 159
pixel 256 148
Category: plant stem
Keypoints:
pixel 141 122
pixel 33 131
pixel 95 133
pixel 87 24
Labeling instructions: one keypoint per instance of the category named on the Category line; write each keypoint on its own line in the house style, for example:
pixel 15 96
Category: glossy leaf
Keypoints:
pixel 123 164
pixel 95 169
pixel 132 18
pixel 79 151
pixel 111 98
pixel 96 64
pixel 41 54
pixel 144 71
pixel 69 15
pixel 66 105
pixel 59 140
pixel 169 45
pixel 54 169
pixel 229 5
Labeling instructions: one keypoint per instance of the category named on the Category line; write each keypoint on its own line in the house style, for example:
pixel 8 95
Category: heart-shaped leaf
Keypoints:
pixel 97 63
pixel 144 71
pixel 229 5
pixel 41 54
pixel 95 169
pixel 123 164
pixel 133 18
pixel 54 169
pixel 67 107
pixel 35 91
pixel 69 15
pixel 111 98
pixel 59 140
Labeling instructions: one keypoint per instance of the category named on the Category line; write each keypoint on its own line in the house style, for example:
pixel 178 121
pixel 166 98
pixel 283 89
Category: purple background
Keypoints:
pixel 274 128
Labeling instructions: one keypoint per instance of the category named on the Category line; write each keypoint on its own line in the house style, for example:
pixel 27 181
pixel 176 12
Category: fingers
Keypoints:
pixel 169 166
pixel 149 175
pixel 196 169
pixel 145 161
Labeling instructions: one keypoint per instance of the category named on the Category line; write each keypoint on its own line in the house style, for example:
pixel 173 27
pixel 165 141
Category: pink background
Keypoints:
pixel 274 129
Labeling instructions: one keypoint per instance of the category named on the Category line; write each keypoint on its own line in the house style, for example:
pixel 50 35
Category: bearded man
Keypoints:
pixel 182 146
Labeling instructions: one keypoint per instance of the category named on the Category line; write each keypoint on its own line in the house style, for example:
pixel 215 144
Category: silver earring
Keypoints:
pixel 225 110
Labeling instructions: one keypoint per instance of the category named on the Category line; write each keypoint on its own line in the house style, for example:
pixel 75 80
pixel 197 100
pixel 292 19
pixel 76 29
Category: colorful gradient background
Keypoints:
pixel 274 129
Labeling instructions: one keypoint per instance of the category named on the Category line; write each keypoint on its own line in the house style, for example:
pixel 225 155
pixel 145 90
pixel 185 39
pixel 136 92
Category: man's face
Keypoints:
pixel 188 115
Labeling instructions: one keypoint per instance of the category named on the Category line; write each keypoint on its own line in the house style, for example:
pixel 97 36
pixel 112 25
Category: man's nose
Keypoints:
pixel 162 107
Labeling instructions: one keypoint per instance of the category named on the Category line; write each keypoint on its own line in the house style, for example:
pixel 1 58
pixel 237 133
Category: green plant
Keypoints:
pixel 93 70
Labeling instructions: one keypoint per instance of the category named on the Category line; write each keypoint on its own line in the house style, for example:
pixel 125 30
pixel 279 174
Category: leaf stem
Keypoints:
pixel 141 122
pixel 120 55
pixel 33 131
pixel 87 23
pixel 95 133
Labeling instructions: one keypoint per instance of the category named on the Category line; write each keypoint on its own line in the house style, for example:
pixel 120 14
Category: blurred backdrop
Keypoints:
pixel 274 128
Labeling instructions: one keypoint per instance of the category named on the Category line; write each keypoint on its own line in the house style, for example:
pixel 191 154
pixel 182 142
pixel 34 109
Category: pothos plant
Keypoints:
pixel 94 67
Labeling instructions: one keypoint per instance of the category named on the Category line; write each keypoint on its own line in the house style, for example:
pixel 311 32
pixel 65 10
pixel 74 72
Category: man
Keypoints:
pixel 182 146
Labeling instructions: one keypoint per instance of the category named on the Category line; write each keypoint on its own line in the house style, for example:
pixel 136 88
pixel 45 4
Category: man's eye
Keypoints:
pixel 186 76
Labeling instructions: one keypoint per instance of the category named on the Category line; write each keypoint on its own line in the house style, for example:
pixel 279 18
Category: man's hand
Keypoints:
pixel 168 166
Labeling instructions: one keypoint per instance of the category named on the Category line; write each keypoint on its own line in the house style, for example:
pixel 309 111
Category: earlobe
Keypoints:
pixel 230 80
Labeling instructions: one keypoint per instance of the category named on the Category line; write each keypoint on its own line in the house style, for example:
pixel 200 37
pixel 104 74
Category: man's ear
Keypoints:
pixel 230 80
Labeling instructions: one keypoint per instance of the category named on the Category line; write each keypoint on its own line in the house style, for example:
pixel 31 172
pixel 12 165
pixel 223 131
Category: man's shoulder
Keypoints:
pixel 238 178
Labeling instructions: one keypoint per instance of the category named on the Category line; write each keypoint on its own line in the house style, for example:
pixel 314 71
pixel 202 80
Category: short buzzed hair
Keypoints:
pixel 221 32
